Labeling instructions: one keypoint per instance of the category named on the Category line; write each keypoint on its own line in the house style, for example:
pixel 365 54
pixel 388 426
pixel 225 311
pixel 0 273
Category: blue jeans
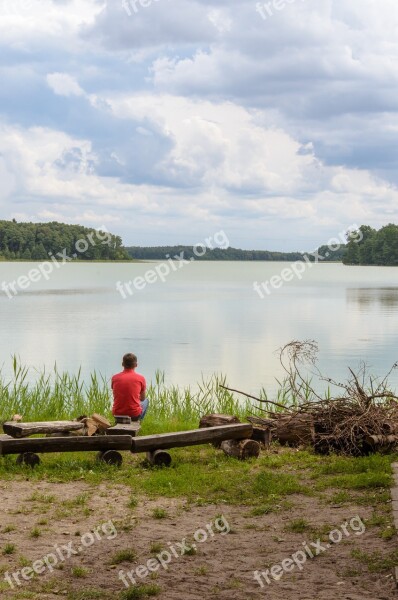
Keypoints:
pixel 144 406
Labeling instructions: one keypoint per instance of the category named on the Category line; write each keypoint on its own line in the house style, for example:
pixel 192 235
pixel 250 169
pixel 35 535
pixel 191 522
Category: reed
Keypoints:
pixel 61 395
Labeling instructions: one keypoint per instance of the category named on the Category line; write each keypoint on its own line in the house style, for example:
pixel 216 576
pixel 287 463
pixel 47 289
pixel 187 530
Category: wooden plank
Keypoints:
pixel 20 430
pixel 65 444
pixel 195 437
pixel 122 429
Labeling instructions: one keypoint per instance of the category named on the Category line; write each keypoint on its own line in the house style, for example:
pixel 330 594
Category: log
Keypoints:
pixel 29 459
pixel 65 444
pixel 295 430
pixel 91 426
pixel 131 429
pixel 20 430
pixel 102 423
pixel 376 443
pixel 217 419
pixel 110 457
pixel 291 429
pixel 159 458
pixel 262 435
pixel 242 449
pixel 195 437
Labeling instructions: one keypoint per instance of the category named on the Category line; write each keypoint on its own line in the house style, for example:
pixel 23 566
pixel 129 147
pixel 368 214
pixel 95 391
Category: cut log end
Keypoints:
pixel 159 458
pixel 241 449
pixel 110 457
pixel 29 459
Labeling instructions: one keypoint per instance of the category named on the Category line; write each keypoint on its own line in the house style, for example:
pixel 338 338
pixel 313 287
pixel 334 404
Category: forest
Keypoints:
pixel 367 246
pixel 163 252
pixel 37 241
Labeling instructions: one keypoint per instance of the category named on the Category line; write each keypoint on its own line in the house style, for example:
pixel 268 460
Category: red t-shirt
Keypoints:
pixel 127 387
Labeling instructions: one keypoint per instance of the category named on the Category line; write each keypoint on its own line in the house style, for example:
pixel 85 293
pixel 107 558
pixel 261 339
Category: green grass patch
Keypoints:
pixel 9 549
pixel 126 555
pixel 277 484
pixel 140 591
pixel 298 526
pixel 376 562
pixel 159 513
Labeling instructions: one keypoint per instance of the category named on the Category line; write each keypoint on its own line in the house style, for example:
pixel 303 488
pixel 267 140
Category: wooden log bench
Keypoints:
pixel 121 429
pixel 23 430
pixel 123 437
pixel 156 445
pixel 108 446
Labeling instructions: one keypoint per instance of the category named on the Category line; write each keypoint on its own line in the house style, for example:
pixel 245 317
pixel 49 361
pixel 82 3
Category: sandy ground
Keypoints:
pixel 222 567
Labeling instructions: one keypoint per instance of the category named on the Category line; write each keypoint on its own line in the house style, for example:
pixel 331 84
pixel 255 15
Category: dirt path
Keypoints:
pixel 41 519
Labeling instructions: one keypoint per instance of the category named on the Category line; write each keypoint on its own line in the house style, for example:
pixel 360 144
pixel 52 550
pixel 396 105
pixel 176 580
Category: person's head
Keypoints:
pixel 129 361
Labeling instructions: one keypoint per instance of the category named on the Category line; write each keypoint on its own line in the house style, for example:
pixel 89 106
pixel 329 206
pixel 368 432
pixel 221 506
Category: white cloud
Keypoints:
pixel 64 85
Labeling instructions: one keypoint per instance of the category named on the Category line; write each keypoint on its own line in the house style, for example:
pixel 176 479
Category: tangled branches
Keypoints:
pixel 362 418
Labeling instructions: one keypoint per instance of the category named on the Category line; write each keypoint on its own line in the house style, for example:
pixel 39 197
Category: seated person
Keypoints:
pixel 129 390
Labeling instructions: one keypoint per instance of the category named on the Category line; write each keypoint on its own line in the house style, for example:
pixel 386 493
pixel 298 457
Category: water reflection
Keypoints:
pixel 366 297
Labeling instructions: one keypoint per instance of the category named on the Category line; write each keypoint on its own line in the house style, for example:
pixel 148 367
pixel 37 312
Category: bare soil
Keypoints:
pixel 222 567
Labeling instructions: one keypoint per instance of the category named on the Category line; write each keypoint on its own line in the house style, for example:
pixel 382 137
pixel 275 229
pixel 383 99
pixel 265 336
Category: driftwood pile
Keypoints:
pixel 360 420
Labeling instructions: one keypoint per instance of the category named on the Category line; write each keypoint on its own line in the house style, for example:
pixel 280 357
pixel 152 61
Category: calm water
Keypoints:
pixel 205 318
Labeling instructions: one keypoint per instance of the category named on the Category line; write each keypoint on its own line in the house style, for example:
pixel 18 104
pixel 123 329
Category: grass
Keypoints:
pixel 298 526
pixel 79 572
pixel 66 396
pixel 376 562
pixel 140 591
pixel 132 503
pixel 204 475
pixel 156 547
pixel 35 533
pixel 126 555
pixel 159 513
pixel 9 549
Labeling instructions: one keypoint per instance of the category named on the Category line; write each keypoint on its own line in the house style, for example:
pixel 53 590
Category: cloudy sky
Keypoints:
pixel 169 120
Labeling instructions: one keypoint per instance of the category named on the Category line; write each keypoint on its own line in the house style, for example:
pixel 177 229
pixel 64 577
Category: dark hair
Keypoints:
pixel 129 361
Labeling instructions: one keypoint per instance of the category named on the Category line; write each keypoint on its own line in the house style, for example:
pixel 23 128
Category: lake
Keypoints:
pixel 205 318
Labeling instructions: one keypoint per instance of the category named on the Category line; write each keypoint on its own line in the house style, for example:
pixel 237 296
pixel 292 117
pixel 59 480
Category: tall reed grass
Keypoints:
pixel 60 395
pixel 56 395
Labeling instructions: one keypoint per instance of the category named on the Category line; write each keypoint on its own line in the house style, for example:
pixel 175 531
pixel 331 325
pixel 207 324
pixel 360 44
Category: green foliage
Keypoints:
pixel 367 246
pixel 163 252
pixel 37 241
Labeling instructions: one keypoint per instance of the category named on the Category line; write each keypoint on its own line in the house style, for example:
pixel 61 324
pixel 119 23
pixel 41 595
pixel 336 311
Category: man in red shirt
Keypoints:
pixel 129 390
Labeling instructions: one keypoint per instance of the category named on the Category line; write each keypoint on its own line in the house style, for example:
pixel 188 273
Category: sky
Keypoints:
pixel 167 121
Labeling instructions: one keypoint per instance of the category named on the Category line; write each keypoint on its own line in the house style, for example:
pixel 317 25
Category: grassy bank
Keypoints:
pixel 196 470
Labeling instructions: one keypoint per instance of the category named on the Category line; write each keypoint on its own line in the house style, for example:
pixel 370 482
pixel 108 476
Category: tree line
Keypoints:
pixel 187 252
pixel 367 246
pixel 36 241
